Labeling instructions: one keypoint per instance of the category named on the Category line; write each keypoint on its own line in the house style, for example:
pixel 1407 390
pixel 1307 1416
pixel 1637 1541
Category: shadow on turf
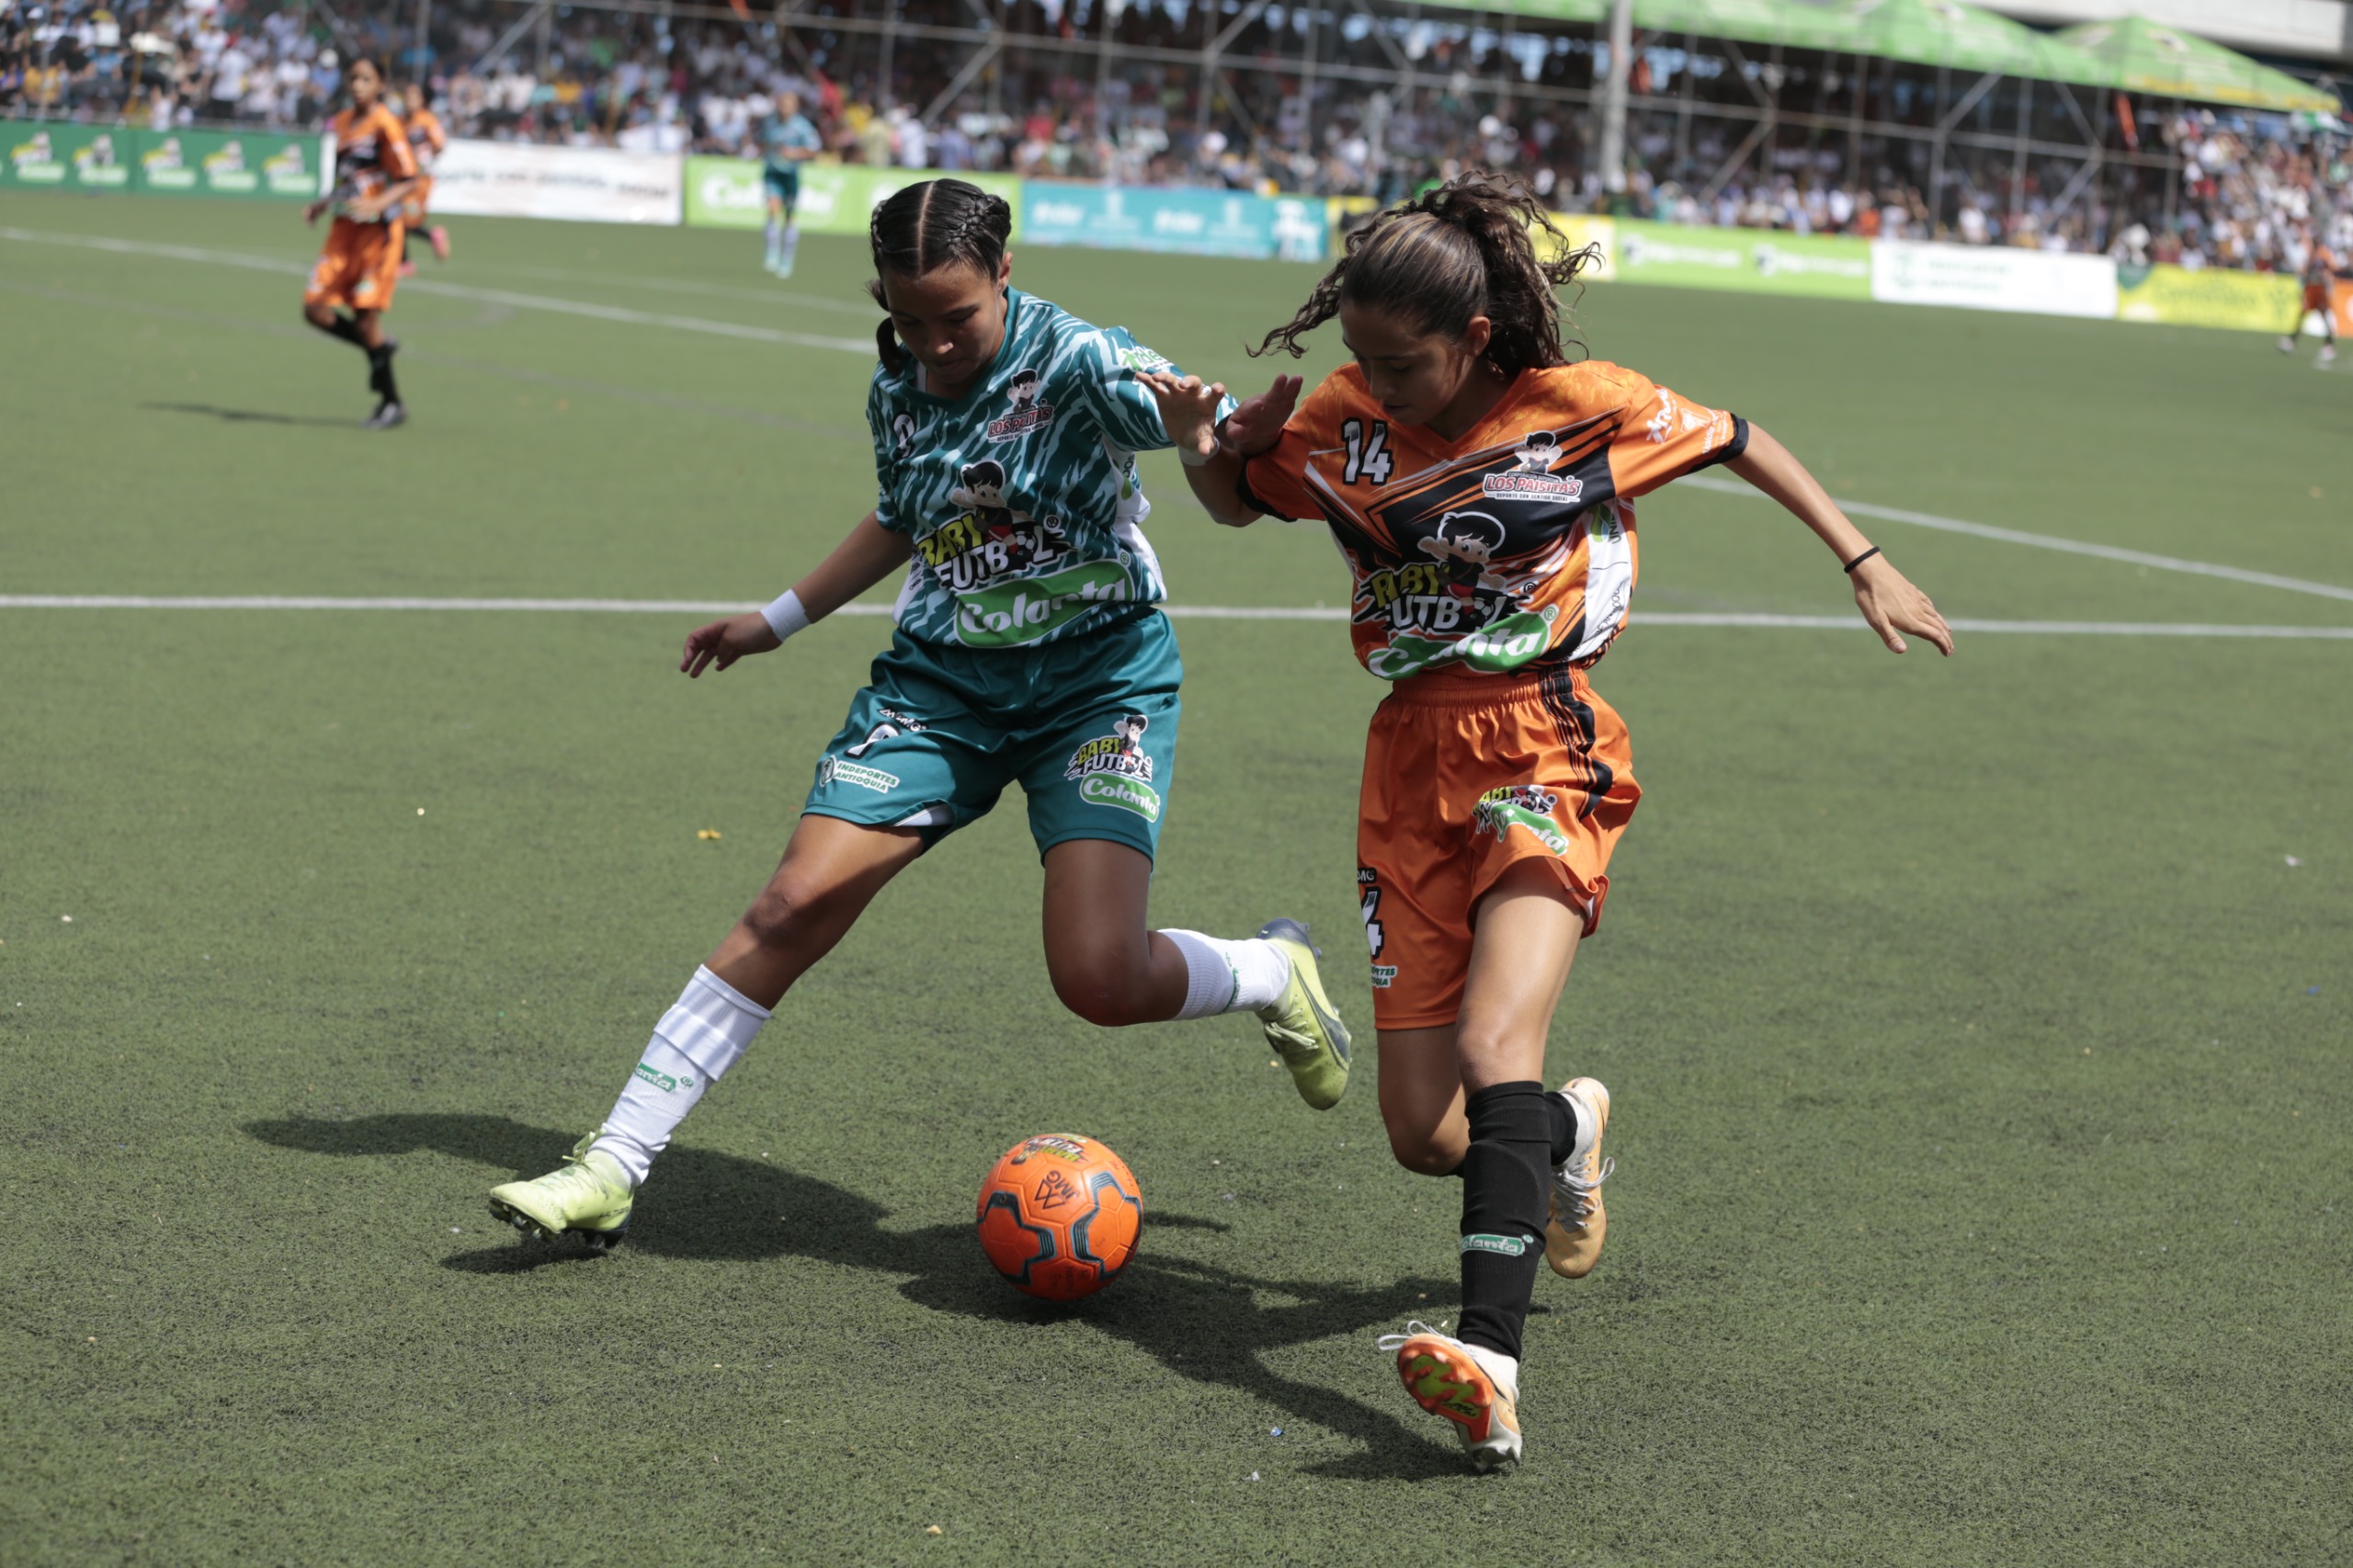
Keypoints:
pixel 1201 1319
pixel 240 415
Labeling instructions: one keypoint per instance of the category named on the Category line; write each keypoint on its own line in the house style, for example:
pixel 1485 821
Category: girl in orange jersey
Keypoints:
pixel 1480 487
pixel 425 140
pixel 352 285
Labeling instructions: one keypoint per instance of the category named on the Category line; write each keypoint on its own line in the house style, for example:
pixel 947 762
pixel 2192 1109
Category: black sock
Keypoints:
pixel 347 329
pixel 1505 1197
pixel 1563 1124
pixel 379 374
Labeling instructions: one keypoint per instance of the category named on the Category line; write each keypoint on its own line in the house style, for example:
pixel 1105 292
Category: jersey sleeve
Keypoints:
pixel 1107 364
pixel 879 414
pixel 1275 482
pixel 1665 436
pixel 391 147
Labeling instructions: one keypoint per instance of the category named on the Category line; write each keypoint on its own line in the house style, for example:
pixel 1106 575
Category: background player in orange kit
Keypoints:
pixel 2320 285
pixel 1480 488
pixel 373 175
pixel 425 140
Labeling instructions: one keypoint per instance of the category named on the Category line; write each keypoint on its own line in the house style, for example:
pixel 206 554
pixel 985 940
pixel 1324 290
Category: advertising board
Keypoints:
pixel 1191 223
pixel 2174 296
pixel 1758 261
pixel 246 163
pixel 253 166
pixel 836 199
pixel 588 184
pixel 1581 230
pixel 1992 277
pixel 55 156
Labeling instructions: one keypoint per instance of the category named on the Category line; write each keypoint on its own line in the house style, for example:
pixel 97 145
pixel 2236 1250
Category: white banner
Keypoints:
pixel 590 185
pixel 1994 278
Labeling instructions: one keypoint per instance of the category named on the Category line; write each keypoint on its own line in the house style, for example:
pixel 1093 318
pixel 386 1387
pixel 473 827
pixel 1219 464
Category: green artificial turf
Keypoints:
pixel 1978 1030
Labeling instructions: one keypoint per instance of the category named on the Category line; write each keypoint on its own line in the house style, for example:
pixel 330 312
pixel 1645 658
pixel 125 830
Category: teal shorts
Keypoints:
pixel 1087 726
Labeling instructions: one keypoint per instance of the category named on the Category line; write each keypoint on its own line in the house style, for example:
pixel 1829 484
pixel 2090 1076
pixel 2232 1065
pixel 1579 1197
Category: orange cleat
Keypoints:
pixel 1477 1390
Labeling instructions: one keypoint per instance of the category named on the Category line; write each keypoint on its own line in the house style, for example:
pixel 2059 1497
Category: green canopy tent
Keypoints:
pixel 2142 56
pixel 1919 32
pixel 1964 38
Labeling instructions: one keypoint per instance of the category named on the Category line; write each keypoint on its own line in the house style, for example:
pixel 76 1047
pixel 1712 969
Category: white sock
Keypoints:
pixel 775 241
pixel 792 242
pixel 1229 977
pixel 1502 1369
pixel 701 1036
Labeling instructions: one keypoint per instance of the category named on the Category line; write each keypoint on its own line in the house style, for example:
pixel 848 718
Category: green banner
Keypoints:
pixel 2177 296
pixel 836 199
pixel 248 165
pixel 56 155
pixel 254 164
pixel 1752 260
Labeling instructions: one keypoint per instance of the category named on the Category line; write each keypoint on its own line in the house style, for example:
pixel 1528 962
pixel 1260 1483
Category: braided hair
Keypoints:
pixel 930 225
pixel 1462 249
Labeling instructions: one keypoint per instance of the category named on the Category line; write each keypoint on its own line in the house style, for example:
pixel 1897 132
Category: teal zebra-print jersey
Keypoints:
pixel 1022 496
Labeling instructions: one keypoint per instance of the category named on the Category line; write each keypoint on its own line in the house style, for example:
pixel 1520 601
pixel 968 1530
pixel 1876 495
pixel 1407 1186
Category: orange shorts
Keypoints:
pixel 2316 298
pixel 1464 777
pixel 359 266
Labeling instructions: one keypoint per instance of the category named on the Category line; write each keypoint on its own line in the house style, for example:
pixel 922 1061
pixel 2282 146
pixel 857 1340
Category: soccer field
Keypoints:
pixel 1978 1030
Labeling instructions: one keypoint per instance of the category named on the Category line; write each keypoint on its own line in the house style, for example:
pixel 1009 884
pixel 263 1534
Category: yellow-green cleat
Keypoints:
pixel 588 1197
pixel 1303 1025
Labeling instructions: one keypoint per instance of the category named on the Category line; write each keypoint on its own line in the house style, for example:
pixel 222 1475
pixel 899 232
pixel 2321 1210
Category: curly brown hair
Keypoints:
pixel 1462 249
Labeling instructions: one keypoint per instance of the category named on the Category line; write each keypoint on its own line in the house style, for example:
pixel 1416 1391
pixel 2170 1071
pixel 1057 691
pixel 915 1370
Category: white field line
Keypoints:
pixel 487 296
pixel 864 345
pixel 2045 542
pixel 1192 612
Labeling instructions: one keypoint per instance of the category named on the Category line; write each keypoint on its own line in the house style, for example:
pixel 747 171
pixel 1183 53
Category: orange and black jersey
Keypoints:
pixel 425 137
pixel 1508 550
pixel 371 152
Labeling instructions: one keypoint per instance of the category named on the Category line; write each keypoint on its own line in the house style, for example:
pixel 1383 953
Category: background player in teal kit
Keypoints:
pixel 1030 649
pixel 788 141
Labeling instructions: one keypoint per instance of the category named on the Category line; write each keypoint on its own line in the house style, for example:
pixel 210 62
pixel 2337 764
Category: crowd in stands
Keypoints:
pixel 2250 192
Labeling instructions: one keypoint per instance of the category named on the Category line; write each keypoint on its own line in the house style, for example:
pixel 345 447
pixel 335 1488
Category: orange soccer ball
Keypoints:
pixel 1059 1216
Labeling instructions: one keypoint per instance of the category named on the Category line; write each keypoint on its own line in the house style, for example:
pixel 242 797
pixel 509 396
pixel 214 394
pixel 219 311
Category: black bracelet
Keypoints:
pixel 1861 559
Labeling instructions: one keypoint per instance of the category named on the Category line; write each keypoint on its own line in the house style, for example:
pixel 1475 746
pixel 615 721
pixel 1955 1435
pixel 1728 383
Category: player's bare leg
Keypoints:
pixel 830 872
pixel 1111 967
pixel 1467 1098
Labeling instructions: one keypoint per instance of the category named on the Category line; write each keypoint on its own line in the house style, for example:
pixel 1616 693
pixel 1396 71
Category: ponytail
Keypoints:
pixel 1465 248
pixel 931 224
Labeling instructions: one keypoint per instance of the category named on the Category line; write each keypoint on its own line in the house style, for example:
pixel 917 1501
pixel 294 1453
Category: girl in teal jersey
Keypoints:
pixel 1029 648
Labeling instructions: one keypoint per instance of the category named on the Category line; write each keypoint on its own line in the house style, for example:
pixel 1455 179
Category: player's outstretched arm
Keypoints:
pixel 1214 465
pixel 1887 598
pixel 869 554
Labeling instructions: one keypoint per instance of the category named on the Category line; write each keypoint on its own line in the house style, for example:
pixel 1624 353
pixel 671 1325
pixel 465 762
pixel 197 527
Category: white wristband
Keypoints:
pixel 1192 458
pixel 786 616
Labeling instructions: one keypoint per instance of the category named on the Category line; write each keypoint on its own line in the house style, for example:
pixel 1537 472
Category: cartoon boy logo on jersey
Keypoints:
pixel 1465 546
pixel 1531 477
pixel 991 538
pixel 1029 413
